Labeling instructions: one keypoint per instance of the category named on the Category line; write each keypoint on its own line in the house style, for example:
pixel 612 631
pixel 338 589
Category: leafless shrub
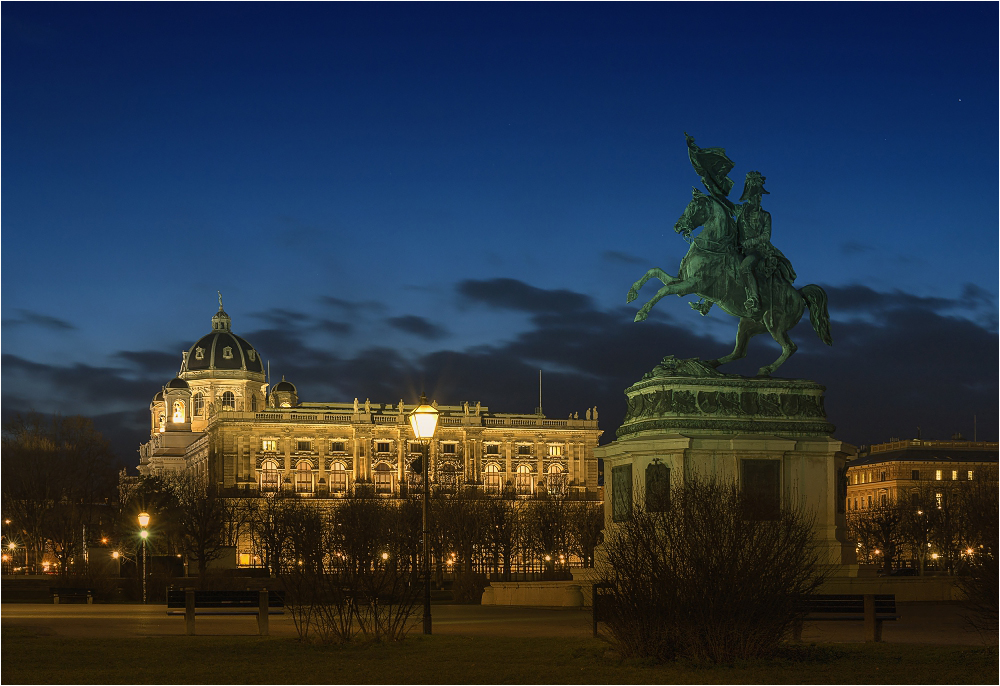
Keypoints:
pixel 704 578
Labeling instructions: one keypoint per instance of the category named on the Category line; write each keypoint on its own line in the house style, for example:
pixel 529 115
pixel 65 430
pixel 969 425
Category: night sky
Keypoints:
pixel 451 197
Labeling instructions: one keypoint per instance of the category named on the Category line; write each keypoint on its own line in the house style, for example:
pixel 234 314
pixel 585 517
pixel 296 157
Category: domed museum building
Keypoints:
pixel 220 419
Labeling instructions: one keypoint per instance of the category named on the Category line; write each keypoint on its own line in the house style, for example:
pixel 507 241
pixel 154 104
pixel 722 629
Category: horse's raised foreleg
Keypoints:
pixel 673 288
pixel 747 329
pixel 654 273
pixel 787 350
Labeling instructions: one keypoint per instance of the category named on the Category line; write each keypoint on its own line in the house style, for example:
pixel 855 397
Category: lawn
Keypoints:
pixel 29 657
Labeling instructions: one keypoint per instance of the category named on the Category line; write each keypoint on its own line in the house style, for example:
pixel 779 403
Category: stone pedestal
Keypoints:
pixel 694 421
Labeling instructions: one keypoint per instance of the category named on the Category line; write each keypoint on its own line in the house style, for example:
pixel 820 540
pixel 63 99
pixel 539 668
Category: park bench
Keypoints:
pixel 61 595
pixel 188 602
pixel 870 608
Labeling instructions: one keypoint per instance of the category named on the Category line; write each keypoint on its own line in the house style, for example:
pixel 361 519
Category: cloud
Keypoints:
pixel 43 321
pixel 418 326
pixel 854 248
pixel 291 319
pixel 623 258
pixel 152 362
pixel 511 294
pixel 899 361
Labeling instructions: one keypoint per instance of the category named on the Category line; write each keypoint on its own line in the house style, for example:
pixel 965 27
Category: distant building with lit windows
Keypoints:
pixel 219 420
pixel 901 470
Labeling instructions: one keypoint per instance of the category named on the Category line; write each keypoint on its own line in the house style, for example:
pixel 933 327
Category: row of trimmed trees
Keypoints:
pixel 941 527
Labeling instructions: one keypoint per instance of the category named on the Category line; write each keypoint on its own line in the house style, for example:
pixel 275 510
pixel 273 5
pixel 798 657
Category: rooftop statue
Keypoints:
pixel 732 263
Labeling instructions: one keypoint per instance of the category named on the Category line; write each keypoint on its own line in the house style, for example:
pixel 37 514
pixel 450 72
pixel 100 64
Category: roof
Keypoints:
pixel 929 451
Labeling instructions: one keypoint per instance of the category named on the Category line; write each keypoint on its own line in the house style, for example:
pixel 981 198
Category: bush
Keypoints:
pixel 704 579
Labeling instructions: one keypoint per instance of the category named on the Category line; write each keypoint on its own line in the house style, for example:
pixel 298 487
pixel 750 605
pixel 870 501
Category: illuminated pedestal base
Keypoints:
pixel 695 421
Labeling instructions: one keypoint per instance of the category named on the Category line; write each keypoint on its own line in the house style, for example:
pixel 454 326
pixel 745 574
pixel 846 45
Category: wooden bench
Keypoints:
pixel 64 594
pixel 600 602
pixel 189 603
pixel 870 608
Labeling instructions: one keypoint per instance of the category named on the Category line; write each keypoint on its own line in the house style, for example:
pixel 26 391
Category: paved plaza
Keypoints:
pixel 929 623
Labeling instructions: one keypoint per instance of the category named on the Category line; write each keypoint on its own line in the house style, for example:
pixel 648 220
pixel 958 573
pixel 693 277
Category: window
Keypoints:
pixel 882 476
pixel 303 445
pixel 855 503
pixel 557 480
pixel 937 474
pixel 252 354
pixel 199 404
pixel 621 493
pixel 885 499
pixel 269 476
pixel 492 481
pixel 915 475
pixel 914 498
pixel 163 420
pixel 492 448
pixel 383 447
pixel 524 450
pixel 337 447
pixel 229 400
pixel 954 475
pixel 657 487
pixel 383 478
pixel 199 353
pixel 253 403
pixel 760 482
pixel 178 417
pixel 869 502
pixel 449 448
pixel 555 450
pixel 227 353
pixel 338 478
pixel 522 481
pixel 939 499
pixel 968 476
pixel 303 478
pixel 269 445
pixel 447 477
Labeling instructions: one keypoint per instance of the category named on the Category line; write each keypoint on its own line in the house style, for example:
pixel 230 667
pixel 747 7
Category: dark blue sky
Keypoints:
pixel 451 195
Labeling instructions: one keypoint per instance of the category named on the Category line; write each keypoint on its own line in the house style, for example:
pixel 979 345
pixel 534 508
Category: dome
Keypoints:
pixel 177 383
pixel 284 386
pixel 158 398
pixel 222 350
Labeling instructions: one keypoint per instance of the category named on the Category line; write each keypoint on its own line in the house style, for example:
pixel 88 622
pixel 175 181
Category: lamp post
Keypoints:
pixel 423 420
pixel 143 534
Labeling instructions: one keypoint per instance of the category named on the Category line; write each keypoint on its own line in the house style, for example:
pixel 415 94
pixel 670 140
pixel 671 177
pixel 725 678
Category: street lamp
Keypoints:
pixel 423 420
pixel 143 523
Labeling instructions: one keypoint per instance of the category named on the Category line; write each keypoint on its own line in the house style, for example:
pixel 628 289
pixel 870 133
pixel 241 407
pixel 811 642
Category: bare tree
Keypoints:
pixel 700 579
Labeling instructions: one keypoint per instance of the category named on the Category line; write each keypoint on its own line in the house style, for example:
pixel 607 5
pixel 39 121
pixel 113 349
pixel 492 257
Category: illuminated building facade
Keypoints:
pixel 219 420
pixel 902 470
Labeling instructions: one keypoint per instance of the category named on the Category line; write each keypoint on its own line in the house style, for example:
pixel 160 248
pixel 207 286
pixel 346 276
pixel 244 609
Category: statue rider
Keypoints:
pixel 761 260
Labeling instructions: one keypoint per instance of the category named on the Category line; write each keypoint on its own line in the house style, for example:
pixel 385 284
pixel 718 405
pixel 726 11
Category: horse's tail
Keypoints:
pixel 819 316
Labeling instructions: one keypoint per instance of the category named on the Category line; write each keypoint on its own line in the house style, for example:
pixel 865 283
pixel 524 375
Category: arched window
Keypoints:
pixel 198 401
pixel 556 482
pixel 303 477
pixel 383 478
pixel 229 400
pixel 492 481
pixel 523 482
pixel 178 415
pixel 269 476
pixel 163 422
pixel 338 477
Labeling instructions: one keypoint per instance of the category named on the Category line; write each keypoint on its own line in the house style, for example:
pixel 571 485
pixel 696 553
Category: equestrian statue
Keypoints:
pixel 732 263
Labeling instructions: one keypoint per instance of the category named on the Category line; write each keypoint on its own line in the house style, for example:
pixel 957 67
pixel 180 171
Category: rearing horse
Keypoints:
pixel 710 270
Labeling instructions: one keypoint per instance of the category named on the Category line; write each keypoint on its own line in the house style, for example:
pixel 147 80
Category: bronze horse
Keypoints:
pixel 710 271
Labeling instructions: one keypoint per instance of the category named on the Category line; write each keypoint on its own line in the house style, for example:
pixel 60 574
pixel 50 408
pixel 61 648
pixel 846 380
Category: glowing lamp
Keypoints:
pixel 143 519
pixel 385 556
pixel 11 545
pixel 115 555
pixel 424 419
pixel 144 534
